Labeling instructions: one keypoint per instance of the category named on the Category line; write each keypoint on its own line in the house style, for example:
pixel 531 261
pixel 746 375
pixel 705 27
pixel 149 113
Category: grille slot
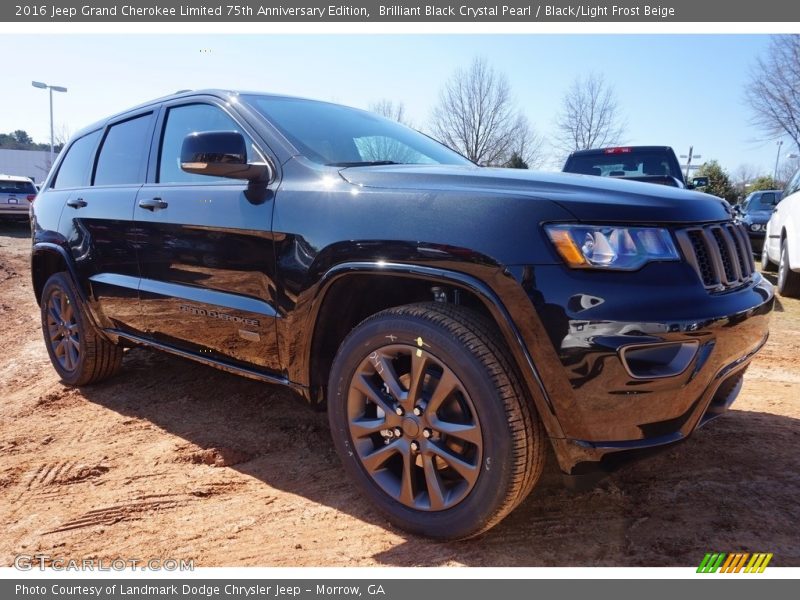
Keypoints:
pixel 720 254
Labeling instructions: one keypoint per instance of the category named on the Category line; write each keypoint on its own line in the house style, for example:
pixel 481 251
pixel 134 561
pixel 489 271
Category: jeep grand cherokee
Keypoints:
pixel 454 320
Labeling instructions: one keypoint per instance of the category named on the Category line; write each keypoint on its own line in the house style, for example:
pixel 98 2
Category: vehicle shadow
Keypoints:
pixel 667 510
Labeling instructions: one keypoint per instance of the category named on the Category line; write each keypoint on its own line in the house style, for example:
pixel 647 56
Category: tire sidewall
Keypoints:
pixel 61 283
pixel 489 491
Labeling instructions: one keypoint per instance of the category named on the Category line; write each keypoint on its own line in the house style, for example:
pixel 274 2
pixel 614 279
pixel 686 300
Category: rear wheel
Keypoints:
pixel 78 353
pixel 788 280
pixel 430 421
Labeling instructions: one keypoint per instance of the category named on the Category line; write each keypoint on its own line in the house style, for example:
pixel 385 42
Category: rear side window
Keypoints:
pixel 17 187
pixel 123 152
pixel 74 169
pixel 183 120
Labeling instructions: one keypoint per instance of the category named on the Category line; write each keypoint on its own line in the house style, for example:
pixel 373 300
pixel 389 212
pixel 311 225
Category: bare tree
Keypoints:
pixel 396 111
pixel 773 92
pixel 590 115
pixel 476 116
pixel 786 171
pixel 742 176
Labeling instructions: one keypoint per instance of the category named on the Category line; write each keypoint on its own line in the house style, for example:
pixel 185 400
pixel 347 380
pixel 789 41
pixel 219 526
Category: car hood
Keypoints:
pixel 758 216
pixel 586 197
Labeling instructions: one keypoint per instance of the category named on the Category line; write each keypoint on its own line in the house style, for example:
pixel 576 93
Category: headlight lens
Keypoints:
pixel 609 247
pixel 757 227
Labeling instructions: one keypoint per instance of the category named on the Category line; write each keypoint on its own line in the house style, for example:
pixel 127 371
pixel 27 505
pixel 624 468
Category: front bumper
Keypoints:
pixel 602 409
pixel 757 240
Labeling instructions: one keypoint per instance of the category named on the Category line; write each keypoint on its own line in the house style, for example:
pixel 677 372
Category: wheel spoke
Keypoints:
pixel 365 427
pixel 53 311
pixel 69 315
pixel 72 353
pixel 59 349
pixel 467 471
pixel 385 369
pixel 363 385
pixel 433 483
pixel 419 362
pixel 446 385
pixel 376 459
pixel 62 310
pixel 468 432
pixel 406 481
pixel 74 342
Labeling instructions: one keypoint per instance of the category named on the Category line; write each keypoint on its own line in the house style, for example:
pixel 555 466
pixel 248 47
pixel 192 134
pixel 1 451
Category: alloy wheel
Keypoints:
pixel 414 427
pixel 63 331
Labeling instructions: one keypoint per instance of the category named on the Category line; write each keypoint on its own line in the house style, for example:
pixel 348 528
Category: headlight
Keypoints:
pixel 609 247
pixel 757 227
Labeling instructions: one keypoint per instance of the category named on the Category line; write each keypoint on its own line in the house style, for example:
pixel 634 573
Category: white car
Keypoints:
pixel 16 195
pixel 782 242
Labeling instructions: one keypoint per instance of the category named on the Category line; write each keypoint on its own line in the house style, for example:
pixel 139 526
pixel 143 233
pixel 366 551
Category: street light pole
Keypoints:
pixel 51 89
pixel 689 160
pixel 775 175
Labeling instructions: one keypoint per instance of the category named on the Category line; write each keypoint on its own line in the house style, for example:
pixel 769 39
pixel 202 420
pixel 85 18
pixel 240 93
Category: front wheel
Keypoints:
pixel 78 353
pixel 788 280
pixel 429 419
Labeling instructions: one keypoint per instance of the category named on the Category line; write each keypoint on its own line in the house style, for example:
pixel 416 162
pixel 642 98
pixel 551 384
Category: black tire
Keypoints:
pixel 788 280
pixel 767 266
pixel 507 456
pixel 79 354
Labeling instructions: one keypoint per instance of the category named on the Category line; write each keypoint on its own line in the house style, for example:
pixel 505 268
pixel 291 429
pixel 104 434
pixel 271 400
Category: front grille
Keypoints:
pixel 721 254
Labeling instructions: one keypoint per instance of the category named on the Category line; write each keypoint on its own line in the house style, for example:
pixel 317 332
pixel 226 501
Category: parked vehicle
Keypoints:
pixel 16 195
pixel 650 164
pixel 755 212
pixel 455 320
pixel 782 240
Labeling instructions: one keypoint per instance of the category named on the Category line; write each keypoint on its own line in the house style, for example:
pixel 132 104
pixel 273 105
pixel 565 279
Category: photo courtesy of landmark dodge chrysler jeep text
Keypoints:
pixel 453 319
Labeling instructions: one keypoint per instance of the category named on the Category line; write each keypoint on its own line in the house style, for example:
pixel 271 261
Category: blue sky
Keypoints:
pixel 676 90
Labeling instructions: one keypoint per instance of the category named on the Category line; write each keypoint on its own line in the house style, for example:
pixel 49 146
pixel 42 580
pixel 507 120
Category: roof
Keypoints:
pixel 223 94
pixel 591 151
pixel 14 178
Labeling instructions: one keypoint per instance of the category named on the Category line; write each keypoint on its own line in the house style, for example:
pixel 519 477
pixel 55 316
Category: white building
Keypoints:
pixel 25 163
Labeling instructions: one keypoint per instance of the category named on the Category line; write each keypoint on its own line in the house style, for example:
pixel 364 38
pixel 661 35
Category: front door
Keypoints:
pixel 205 252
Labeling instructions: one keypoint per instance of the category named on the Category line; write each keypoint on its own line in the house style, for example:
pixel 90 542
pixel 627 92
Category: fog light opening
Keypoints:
pixel 654 361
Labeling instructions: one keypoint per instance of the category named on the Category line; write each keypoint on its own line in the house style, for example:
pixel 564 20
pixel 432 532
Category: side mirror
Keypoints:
pixel 698 182
pixel 224 154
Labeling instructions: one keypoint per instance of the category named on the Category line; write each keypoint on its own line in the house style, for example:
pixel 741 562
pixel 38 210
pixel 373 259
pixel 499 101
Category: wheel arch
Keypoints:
pixel 48 258
pixel 416 279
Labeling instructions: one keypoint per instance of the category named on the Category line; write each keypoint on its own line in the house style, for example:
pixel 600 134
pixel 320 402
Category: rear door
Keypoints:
pixel 206 253
pixel 98 220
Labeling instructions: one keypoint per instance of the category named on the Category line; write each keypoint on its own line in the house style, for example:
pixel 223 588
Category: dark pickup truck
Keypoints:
pixel 649 164
pixel 456 321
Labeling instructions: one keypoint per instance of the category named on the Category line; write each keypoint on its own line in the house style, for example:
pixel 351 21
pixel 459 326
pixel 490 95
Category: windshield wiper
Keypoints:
pixel 364 163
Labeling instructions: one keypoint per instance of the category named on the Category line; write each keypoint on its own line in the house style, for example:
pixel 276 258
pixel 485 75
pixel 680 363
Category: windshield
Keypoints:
pixel 17 187
pixel 649 163
pixel 764 201
pixel 340 136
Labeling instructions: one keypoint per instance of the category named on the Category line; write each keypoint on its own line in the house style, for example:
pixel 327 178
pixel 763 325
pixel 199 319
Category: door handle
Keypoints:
pixel 153 204
pixel 76 202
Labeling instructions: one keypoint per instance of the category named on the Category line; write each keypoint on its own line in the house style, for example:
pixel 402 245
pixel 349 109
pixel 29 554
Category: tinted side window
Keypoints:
pixel 180 122
pixel 123 151
pixel 74 169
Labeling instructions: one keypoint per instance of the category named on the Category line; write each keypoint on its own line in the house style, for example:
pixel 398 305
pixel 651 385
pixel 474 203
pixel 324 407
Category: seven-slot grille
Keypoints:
pixel 720 253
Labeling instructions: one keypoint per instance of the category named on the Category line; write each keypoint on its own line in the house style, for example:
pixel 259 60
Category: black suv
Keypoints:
pixel 650 164
pixel 455 320
pixel 755 212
